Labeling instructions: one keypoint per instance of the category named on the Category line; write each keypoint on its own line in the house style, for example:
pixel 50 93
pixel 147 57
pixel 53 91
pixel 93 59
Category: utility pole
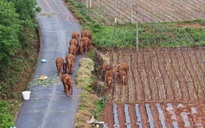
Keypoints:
pixel 115 4
pixel 137 43
pixel 90 3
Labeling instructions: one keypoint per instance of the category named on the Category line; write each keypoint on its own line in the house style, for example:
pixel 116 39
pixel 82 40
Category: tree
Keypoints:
pixel 27 11
pixel 9 31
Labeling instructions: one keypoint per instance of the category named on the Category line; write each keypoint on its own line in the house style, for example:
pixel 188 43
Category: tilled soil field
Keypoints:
pixel 165 89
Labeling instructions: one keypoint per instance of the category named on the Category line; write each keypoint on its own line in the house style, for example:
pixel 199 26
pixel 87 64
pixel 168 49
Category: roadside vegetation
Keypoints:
pixel 166 34
pixel 19 46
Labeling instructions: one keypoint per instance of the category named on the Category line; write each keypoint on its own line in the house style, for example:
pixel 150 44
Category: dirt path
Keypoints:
pixel 48 106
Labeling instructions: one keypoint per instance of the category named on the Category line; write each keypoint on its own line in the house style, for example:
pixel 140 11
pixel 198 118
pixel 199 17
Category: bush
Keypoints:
pixel 6 120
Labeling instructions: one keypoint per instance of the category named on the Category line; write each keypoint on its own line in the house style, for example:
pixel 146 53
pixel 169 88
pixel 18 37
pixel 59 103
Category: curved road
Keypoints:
pixel 48 106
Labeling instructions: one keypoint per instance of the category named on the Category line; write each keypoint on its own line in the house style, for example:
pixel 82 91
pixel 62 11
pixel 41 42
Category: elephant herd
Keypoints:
pixel 77 45
pixel 117 72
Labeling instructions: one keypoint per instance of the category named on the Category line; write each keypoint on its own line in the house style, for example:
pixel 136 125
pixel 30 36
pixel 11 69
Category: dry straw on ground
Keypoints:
pixel 86 105
pixel 84 73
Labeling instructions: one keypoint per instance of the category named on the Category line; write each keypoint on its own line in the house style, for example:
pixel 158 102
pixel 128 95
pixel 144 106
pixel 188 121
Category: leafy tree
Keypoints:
pixel 27 11
pixel 9 31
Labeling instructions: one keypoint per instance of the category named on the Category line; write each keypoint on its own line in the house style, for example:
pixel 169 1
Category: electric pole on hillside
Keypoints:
pixel 137 43
pixel 86 3
pixel 115 4
pixel 90 3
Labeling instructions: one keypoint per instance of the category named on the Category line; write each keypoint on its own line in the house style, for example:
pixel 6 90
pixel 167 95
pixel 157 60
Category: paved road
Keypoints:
pixel 48 106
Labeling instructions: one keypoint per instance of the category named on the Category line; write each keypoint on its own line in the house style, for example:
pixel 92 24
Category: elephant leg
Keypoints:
pixel 59 71
pixel 81 50
pixel 123 80
pixel 67 91
pixel 126 80
pixel 69 69
pixel 72 66
pixel 71 89
pixel 64 89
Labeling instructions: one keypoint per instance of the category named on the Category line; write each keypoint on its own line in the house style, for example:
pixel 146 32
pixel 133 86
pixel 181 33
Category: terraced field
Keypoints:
pixel 148 10
pixel 165 89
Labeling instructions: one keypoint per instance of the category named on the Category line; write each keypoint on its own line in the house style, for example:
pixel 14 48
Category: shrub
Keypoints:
pixel 6 120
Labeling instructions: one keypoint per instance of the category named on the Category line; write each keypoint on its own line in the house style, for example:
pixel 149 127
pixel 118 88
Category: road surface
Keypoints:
pixel 48 106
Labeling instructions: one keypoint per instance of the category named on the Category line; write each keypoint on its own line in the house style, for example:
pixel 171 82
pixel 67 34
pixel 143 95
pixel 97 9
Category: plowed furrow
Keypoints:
pixel 189 77
pixel 153 81
pixel 161 83
pixel 175 76
pixel 168 82
pixel 132 114
pixel 121 116
pixel 182 61
pixel 148 93
pixel 161 116
pixel 144 116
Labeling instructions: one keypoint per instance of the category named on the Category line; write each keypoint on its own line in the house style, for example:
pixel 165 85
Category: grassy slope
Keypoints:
pixel 20 73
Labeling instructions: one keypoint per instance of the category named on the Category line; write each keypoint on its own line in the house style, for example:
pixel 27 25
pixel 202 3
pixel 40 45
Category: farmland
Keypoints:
pixel 165 88
pixel 165 85
pixel 105 11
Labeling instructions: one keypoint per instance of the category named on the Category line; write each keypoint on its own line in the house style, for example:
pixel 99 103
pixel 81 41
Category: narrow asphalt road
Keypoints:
pixel 48 106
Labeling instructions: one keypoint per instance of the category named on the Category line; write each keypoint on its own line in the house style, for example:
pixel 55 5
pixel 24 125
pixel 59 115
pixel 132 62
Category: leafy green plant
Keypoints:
pixel 6 120
pixel 100 105
pixel 9 30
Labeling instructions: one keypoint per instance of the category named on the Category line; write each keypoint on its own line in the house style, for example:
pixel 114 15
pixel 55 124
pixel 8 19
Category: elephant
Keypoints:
pixel 76 35
pixel 73 50
pixel 86 33
pixel 122 66
pixel 70 60
pixel 65 68
pixel 106 67
pixel 123 77
pixel 59 65
pixel 109 81
pixel 109 73
pixel 85 44
pixel 73 42
pixel 67 81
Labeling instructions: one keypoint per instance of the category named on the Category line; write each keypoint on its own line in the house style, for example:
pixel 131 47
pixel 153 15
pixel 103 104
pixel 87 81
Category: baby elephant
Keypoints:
pixel 67 81
pixel 109 81
pixel 59 65
pixel 123 77
pixel 70 60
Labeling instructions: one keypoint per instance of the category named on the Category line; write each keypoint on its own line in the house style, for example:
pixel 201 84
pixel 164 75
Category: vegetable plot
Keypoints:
pixel 165 88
